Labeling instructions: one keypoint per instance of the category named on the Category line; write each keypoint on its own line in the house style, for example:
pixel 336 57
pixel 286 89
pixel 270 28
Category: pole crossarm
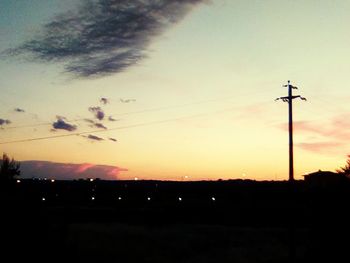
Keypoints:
pixel 286 99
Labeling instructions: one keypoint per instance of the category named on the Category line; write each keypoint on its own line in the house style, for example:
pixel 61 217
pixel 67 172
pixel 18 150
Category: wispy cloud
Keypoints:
pixel 104 36
pixel 127 100
pixel 100 126
pixel 110 118
pixel 98 112
pixel 322 147
pixel 336 128
pixel 94 137
pixel 4 122
pixel 328 137
pixel 61 124
pixel 19 110
pixel 104 101
pixel 95 124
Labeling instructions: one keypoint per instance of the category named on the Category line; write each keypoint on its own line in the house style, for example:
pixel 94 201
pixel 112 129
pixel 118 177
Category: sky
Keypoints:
pixel 173 90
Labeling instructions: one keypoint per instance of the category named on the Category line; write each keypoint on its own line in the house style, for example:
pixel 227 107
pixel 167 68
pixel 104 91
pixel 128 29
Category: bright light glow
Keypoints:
pixel 119 198
pixel 52 180
pixel 43 199
pixel 136 178
pixel 92 198
pixel 149 198
pixel 91 180
pixel 213 199
pixel 180 199
pixel 18 181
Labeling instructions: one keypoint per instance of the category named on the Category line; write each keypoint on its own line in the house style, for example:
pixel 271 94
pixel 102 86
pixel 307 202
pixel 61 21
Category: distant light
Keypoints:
pixel 52 180
pixel 92 198
pixel 186 176
pixel 45 178
pixel 119 198
pixel 244 175
pixel 213 199
pixel 18 181
pixel 91 180
pixel 180 199
pixel 43 199
pixel 136 178
pixel 148 198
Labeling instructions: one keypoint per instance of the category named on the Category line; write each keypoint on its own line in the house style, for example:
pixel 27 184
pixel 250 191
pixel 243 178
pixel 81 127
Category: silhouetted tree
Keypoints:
pixel 9 168
pixel 346 169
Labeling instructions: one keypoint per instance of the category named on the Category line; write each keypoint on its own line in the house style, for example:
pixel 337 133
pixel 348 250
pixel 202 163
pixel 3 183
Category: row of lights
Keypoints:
pixel 120 198
pixel 19 181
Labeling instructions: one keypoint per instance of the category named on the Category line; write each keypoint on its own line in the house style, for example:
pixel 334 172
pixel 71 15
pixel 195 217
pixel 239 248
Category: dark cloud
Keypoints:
pixel 110 118
pixel 104 101
pixel 103 36
pixel 112 139
pixel 60 124
pixel 19 110
pixel 69 171
pixel 98 112
pixel 94 137
pixel 95 124
pixel 4 122
pixel 100 126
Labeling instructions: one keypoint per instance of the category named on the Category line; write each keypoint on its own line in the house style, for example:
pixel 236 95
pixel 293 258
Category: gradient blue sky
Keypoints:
pixel 217 72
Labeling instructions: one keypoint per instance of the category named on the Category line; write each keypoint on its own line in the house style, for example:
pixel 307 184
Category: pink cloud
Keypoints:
pixel 322 147
pixel 83 167
pixel 330 136
pixel 67 171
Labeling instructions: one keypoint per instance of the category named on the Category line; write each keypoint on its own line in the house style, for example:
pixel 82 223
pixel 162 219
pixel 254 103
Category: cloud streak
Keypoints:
pixel 110 118
pixel 104 36
pixel 94 137
pixel 328 137
pixel 322 147
pixel 19 110
pixel 95 124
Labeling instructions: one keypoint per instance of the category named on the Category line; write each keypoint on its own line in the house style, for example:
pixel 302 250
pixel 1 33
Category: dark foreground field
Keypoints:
pixel 145 221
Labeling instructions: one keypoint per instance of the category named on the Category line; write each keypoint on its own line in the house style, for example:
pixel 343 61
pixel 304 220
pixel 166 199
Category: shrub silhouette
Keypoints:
pixel 345 171
pixel 9 168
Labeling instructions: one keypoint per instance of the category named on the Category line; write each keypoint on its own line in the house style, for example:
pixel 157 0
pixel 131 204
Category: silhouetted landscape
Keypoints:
pixel 160 221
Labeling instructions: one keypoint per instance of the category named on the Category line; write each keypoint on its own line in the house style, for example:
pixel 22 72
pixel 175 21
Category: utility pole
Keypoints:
pixel 290 99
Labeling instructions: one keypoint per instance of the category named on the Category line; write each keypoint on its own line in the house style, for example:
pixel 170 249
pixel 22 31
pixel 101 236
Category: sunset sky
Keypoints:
pixel 174 90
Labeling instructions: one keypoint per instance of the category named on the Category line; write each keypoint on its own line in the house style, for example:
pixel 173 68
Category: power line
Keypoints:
pixel 155 109
pixel 116 128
